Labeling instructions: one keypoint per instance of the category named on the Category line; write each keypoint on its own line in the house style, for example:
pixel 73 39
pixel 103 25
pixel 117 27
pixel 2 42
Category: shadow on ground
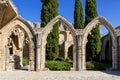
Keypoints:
pixel 116 73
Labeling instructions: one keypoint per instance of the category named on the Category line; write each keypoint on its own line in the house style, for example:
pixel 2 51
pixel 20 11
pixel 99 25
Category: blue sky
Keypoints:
pixel 30 10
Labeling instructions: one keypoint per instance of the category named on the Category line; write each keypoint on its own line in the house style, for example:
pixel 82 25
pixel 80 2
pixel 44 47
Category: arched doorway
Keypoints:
pixel 87 30
pixel 18 32
pixel 44 34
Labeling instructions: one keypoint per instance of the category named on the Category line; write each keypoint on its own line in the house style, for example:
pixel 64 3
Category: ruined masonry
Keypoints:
pixel 20 38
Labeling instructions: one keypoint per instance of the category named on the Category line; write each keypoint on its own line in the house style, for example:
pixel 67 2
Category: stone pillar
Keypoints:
pixel 7 58
pixel 21 57
pixel 118 52
pixel 83 56
pixel 10 64
pixel 79 67
pixel 31 58
pixel 79 52
pixel 65 50
pixel 21 38
pixel 115 55
pixel 38 60
pixel 42 55
pixel 39 51
pixel 74 57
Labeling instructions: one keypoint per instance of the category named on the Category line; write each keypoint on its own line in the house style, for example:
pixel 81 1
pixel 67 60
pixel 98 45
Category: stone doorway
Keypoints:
pixel 66 42
pixel 86 32
pixel 18 50
pixel 43 37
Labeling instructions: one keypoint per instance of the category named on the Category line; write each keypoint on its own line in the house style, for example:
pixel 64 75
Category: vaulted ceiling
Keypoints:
pixel 7 12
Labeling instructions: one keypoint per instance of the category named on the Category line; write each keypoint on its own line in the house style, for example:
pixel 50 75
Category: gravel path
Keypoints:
pixel 60 75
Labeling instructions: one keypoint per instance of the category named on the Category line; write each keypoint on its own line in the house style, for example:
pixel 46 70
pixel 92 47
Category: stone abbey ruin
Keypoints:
pixel 19 38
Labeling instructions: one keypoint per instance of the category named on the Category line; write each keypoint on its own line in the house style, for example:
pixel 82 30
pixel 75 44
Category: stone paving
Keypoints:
pixel 60 75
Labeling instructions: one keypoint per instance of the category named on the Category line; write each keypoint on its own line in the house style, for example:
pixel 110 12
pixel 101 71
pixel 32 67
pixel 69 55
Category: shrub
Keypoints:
pixel 25 61
pixel 90 65
pixel 58 65
pixel 97 66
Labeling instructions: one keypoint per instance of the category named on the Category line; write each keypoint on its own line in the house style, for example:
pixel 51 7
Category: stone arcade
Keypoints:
pixel 19 38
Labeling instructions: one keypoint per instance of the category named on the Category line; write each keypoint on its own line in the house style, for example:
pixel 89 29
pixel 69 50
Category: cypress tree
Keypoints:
pixel 93 46
pixel 78 15
pixel 48 12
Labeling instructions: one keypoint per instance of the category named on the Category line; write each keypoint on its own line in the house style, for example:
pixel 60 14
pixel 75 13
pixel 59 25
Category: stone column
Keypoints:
pixel 118 52
pixel 31 58
pixel 115 55
pixel 7 58
pixel 39 51
pixel 83 57
pixel 79 52
pixel 74 57
pixel 42 55
pixel 21 37
pixel 65 50
pixel 38 68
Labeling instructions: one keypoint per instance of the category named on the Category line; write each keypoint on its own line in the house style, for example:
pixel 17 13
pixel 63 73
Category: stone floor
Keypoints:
pixel 61 75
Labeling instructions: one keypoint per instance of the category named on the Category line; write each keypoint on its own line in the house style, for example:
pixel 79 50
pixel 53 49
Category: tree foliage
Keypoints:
pixel 78 15
pixel 93 46
pixel 48 12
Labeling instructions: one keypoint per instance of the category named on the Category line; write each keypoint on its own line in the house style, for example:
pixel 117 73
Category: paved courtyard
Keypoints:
pixel 61 75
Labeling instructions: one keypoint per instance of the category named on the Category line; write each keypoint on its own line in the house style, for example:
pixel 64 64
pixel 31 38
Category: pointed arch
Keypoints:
pixel 100 21
pixel 48 28
pixel 20 22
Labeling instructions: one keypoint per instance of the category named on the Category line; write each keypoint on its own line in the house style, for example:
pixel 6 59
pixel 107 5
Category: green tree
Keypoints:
pixel 48 12
pixel 93 46
pixel 78 15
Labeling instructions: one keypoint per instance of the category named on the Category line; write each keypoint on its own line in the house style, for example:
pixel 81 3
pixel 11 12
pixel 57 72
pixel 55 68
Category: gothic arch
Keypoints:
pixel 20 22
pixel 49 26
pixel 45 33
pixel 100 21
